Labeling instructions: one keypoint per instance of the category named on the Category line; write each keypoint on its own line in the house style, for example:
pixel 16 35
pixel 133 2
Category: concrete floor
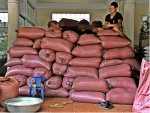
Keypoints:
pixel 77 107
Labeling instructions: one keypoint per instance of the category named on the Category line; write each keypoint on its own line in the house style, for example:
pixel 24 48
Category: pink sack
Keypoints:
pixel 59 69
pixel 63 57
pixel 110 62
pixel 85 62
pixel 133 63
pixel 88 39
pixel 33 61
pixel 13 62
pixel 121 82
pixel 39 71
pixel 114 42
pixel 142 100
pixel 119 53
pixel 121 95
pixel 21 79
pixel 71 36
pixel 47 55
pixel 87 96
pixel 19 70
pixel 67 83
pixel 37 43
pixel 81 72
pixel 107 32
pixel 61 92
pixel 123 70
pixel 19 51
pixel 90 84
pixel 8 89
pixel 87 51
pixel 54 82
pixel 53 32
pixel 23 42
pixel 57 44
pixel 30 32
pixel 24 91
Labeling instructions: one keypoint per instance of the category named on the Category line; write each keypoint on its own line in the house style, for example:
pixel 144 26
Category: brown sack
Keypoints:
pixel 85 62
pixel 87 96
pixel 33 61
pixel 107 32
pixel 37 43
pixel 21 79
pixel 53 32
pixel 47 55
pixel 9 89
pixel 123 70
pixel 57 44
pixel 71 36
pixel 90 84
pixel 63 57
pixel 114 42
pixel 19 51
pixel 39 71
pixel 67 83
pixel 54 82
pixel 24 91
pixel 13 62
pixel 121 95
pixel 81 72
pixel 23 42
pixel 30 32
pixel 87 39
pixel 133 63
pixel 19 70
pixel 87 51
pixel 61 92
pixel 121 82
pixel 68 22
pixel 119 53
pixel 59 69
pixel 110 62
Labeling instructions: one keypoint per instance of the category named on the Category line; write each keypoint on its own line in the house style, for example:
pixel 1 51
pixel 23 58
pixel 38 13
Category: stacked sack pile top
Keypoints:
pixel 86 68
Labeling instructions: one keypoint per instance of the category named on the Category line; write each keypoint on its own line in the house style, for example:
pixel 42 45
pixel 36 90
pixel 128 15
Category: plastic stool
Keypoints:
pixel 37 83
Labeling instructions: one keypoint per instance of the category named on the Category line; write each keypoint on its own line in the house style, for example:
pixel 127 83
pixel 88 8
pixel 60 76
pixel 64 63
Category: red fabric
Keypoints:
pixel 110 62
pixel 67 83
pixel 30 32
pixel 63 57
pixel 37 43
pixel 13 62
pixel 107 32
pixel 23 42
pixel 87 39
pixel 33 61
pixel 47 54
pixel 19 51
pixel 85 62
pixel 87 96
pixel 53 32
pixel 142 99
pixel 57 44
pixel 109 42
pixel 71 36
pixel 81 72
pixel 87 51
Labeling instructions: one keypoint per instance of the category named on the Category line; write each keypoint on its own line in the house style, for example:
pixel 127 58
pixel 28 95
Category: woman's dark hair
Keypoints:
pixel 115 4
pixel 53 21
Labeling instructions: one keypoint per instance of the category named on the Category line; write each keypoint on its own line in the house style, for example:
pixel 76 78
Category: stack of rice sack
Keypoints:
pixel 117 67
pixel 30 56
pixel 87 87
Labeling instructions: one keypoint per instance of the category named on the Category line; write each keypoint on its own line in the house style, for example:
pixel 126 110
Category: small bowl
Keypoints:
pixel 23 104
